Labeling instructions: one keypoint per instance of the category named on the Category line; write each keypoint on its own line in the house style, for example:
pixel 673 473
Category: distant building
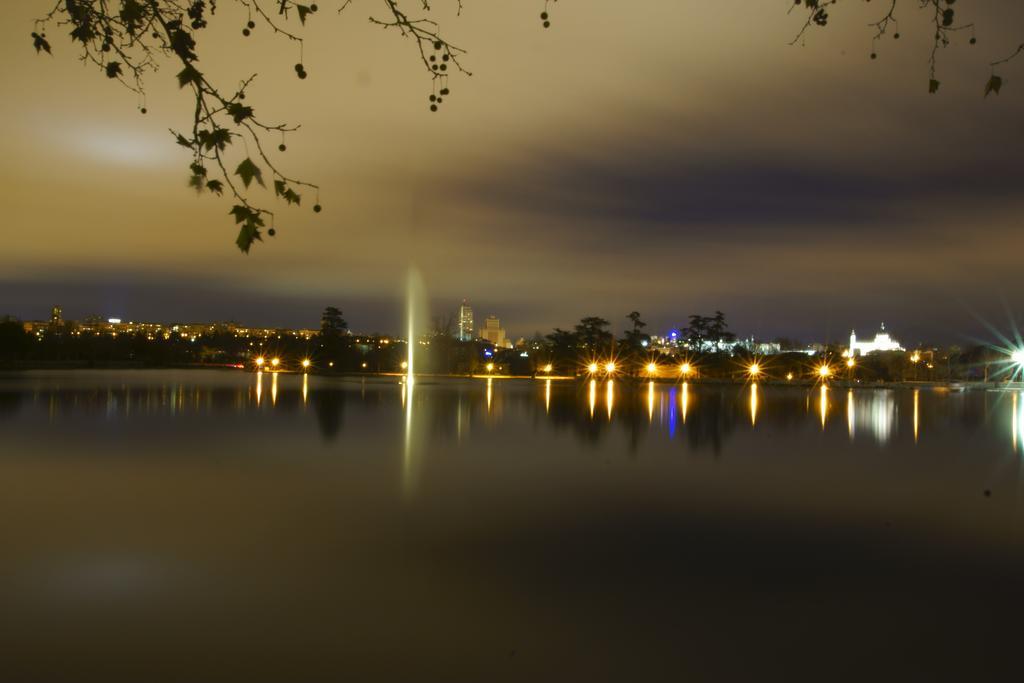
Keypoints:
pixel 882 342
pixel 492 332
pixel 56 316
pixel 465 332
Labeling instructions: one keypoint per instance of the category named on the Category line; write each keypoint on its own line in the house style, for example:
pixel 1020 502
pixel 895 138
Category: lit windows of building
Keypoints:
pixel 493 333
pixel 465 332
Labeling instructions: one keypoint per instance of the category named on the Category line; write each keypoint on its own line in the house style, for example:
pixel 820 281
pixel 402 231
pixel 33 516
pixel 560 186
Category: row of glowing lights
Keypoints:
pixel 754 369
pixel 610 367
pixel 275 362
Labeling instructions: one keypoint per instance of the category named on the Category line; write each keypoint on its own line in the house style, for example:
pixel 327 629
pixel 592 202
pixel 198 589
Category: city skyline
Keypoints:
pixel 984 331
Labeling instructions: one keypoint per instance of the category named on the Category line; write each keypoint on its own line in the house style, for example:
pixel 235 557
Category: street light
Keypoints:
pixel 548 368
pixel 305 363
pixel 824 371
pixel 275 361
pixel 259 361
pixel 592 368
pixel 652 368
pixel 915 357
pixel 850 363
pixel 754 370
pixel 490 367
pixel 1018 357
pixel 609 367
pixel 685 369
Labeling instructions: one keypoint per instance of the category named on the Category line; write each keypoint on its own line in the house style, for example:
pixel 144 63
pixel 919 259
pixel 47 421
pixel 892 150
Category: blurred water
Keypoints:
pixel 222 525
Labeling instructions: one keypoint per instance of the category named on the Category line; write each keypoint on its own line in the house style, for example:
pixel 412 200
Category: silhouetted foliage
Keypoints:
pixel 945 21
pixel 14 341
pixel 127 39
pixel 332 323
pixel 593 335
pixel 707 330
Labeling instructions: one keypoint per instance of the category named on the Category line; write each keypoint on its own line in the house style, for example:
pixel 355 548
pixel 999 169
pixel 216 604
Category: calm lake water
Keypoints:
pixel 219 525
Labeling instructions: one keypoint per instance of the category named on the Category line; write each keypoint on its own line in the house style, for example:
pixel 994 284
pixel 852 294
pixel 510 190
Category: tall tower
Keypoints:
pixel 56 317
pixel 465 322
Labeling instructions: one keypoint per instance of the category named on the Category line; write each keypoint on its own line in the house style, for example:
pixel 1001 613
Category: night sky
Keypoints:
pixel 666 156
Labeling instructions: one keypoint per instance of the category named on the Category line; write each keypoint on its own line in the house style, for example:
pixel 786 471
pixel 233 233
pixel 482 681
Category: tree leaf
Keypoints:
pixel 303 11
pixel 83 32
pixel 933 86
pixel 215 186
pixel 251 222
pixel 281 189
pixel 189 75
pixel 247 234
pixel 218 137
pixel 40 43
pixel 238 112
pixel 182 140
pixel 181 42
pixel 240 212
pixel 196 181
pixel 247 170
pixel 993 85
pixel 131 15
pixel 221 138
pixel 113 69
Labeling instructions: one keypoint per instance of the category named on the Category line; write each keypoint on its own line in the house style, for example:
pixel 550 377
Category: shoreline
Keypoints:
pixel 950 385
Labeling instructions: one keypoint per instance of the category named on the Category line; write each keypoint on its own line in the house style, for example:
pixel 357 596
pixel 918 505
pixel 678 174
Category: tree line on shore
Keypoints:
pixel 703 349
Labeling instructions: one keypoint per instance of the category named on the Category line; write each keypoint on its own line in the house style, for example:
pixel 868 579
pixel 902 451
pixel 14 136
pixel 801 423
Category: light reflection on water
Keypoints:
pixel 1017 423
pixel 823 405
pixel 407 511
pixel 705 413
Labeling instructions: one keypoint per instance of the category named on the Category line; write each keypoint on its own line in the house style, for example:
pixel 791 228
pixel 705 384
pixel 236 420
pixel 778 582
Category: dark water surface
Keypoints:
pixel 213 526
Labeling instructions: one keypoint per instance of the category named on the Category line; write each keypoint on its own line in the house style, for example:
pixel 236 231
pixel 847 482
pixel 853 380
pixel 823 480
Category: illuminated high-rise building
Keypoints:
pixel 465 322
pixel 493 332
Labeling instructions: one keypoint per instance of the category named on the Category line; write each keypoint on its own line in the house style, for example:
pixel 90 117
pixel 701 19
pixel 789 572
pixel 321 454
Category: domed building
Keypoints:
pixel 882 342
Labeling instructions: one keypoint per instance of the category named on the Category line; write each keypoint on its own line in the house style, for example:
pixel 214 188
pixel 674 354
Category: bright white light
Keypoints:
pixel 114 321
pixel 1018 356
